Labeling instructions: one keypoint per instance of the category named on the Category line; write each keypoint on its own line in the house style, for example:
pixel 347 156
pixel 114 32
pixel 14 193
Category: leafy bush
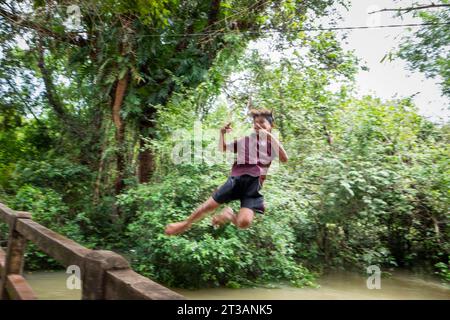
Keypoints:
pixel 47 208
pixel 204 256
pixel 443 270
pixel 66 177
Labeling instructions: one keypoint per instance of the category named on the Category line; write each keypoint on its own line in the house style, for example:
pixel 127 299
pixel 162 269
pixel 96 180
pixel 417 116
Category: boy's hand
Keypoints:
pixel 226 129
pixel 264 131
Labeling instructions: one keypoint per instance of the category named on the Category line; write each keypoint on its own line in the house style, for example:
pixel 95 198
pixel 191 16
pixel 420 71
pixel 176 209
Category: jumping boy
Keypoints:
pixel 254 155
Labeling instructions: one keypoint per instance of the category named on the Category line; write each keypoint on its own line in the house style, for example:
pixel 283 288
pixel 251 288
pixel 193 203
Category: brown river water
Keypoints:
pixel 51 285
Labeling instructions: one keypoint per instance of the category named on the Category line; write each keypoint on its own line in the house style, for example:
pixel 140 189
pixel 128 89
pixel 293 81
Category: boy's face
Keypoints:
pixel 262 122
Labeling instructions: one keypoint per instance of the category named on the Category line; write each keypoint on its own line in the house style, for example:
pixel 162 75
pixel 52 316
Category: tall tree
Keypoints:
pixel 122 61
pixel 426 50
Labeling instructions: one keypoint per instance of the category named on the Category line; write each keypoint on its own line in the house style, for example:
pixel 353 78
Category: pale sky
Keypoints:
pixel 389 79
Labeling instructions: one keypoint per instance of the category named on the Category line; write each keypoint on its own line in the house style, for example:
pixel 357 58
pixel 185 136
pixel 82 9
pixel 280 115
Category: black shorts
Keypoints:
pixel 244 188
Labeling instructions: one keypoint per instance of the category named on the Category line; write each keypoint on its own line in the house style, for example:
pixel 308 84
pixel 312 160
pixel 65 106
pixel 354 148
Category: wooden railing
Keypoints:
pixel 104 274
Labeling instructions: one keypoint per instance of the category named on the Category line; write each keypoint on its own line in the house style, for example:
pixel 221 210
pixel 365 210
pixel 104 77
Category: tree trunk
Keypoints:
pixel 146 163
pixel 146 158
pixel 101 163
pixel 121 88
pixel 328 135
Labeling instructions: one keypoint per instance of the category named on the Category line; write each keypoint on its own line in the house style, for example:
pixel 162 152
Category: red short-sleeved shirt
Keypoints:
pixel 254 155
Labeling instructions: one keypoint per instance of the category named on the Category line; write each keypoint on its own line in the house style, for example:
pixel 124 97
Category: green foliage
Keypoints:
pixel 427 49
pixel 205 257
pixel 443 270
pixel 48 209
pixel 58 173
pixel 367 181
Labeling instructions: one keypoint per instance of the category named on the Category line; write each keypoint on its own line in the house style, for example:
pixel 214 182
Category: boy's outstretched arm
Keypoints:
pixel 279 149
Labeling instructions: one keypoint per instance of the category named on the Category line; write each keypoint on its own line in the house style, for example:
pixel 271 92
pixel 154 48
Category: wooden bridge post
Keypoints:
pixel 104 274
pixel 96 264
pixel 15 252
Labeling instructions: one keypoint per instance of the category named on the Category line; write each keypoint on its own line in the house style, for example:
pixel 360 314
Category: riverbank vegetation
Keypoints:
pixel 90 117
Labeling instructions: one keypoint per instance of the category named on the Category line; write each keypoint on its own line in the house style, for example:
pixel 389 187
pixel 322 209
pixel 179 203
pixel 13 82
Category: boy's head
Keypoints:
pixel 262 118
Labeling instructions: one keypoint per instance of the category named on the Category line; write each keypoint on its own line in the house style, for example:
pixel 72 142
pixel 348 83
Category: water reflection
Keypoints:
pixel 341 286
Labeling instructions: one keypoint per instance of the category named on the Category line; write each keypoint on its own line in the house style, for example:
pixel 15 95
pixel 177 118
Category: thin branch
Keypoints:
pixel 50 93
pixel 49 86
pixel 213 12
pixel 409 9
pixel 18 21
pixel 13 87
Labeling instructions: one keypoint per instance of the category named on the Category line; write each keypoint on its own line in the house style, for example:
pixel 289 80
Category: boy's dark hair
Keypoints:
pixel 262 112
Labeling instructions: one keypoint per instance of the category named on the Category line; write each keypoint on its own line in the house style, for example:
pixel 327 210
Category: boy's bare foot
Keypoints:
pixel 177 227
pixel 222 218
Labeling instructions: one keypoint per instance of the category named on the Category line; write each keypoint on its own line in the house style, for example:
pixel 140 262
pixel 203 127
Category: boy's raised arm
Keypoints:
pixel 223 130
pixel 279 149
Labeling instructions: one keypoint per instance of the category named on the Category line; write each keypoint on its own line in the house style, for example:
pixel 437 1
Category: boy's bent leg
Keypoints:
pixel 206 207
pixel 225 216
pixel 182 226
pixel 244 218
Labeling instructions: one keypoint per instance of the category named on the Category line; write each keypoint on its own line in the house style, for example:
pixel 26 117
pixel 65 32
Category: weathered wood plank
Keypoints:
pixel 18 288
pixel 105 274
pixel 96 264
pixel 2 260
pixel 129 285
pixel 65 251
pixel 14 259
pixel 6 214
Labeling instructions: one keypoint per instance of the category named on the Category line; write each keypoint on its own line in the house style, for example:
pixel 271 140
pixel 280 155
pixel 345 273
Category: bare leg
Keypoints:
pixel 182 226
pixel 225 216
pixel 242 220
